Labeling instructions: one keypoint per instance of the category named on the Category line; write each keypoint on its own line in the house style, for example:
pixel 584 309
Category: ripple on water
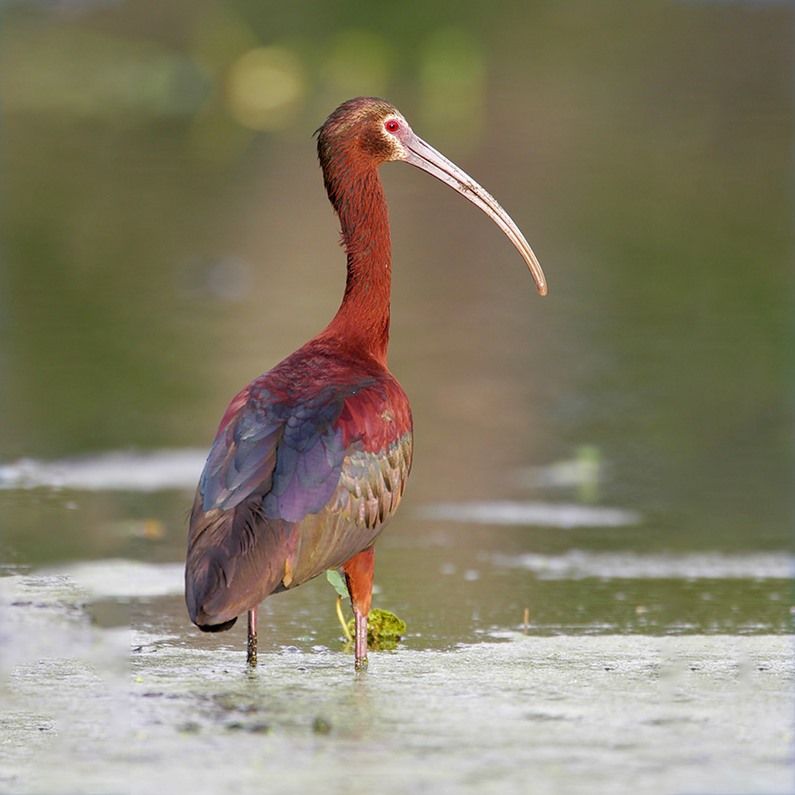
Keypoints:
pixel 539 514
pixel 579 564
pixel 155 470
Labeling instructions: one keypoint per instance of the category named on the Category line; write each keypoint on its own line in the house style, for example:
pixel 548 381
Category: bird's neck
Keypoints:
pixel 362 321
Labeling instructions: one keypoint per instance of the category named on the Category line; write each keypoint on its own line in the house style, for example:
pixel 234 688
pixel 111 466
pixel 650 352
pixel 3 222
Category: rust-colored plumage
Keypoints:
pixel 311 459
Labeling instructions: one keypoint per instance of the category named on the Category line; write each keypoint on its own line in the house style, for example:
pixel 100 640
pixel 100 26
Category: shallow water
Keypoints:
pixel 635 669
pixel 127 710
pixel 635 673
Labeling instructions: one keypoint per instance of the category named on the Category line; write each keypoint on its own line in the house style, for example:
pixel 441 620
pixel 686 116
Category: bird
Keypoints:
pixel 311 459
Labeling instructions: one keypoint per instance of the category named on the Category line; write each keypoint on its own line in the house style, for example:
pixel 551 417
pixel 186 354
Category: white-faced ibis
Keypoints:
pixel 311 459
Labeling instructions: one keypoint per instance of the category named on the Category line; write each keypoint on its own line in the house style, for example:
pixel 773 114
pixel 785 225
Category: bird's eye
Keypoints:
pixel 392 126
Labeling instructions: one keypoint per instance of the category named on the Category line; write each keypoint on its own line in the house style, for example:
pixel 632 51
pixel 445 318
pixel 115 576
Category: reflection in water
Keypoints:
pixel 631 566
pixel 543 514
pixel 154 470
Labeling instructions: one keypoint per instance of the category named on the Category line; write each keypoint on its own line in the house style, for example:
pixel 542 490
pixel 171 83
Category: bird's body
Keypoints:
pixel 309 462
pixel 311 459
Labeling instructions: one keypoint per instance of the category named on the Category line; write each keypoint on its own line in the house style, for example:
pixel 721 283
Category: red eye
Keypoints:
pixel 392 126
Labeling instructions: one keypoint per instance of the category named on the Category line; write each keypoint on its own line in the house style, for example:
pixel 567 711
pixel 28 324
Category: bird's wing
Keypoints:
pixel 287 451
pixel 291 451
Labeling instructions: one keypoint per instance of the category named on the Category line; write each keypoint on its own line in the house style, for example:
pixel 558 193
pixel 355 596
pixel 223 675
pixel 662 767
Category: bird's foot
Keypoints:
pixel 251 652
pixel 360 640
pixel 251 645
pixel 360 664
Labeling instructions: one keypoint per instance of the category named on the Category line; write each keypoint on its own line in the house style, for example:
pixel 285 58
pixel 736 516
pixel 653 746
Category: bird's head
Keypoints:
pixel 366 128
pixel 365 132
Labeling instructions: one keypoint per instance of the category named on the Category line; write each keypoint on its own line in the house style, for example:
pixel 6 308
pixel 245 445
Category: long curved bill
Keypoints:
pixel 424 156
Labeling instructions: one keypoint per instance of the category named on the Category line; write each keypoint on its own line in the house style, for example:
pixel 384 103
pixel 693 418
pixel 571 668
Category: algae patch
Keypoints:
pixel 384 630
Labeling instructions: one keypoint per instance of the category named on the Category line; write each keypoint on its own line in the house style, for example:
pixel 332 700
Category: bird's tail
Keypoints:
pixel 205 589
pixel 235 559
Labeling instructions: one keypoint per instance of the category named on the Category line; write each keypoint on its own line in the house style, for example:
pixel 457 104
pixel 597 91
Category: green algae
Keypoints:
pixel 384 630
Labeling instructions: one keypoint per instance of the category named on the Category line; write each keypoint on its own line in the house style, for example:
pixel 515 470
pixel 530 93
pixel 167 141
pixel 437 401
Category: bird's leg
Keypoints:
pixel 359 641
pixel 251 647
pixel 359 576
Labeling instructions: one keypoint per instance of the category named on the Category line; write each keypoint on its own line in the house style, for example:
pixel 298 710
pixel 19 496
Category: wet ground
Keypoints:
pixel 634 672
pixel 89 707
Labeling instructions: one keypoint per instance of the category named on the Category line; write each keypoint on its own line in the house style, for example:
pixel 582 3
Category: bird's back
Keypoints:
pixel 308 464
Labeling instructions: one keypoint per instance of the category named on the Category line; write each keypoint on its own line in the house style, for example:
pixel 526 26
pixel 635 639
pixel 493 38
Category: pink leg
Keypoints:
pixel 360 640
pixel 359 575
pixel 251 647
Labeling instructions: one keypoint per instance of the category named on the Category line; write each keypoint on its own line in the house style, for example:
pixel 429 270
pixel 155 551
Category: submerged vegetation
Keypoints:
pixel 384 629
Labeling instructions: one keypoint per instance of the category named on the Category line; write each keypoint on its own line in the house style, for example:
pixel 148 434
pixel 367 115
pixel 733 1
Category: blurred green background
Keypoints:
pixel 165 238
